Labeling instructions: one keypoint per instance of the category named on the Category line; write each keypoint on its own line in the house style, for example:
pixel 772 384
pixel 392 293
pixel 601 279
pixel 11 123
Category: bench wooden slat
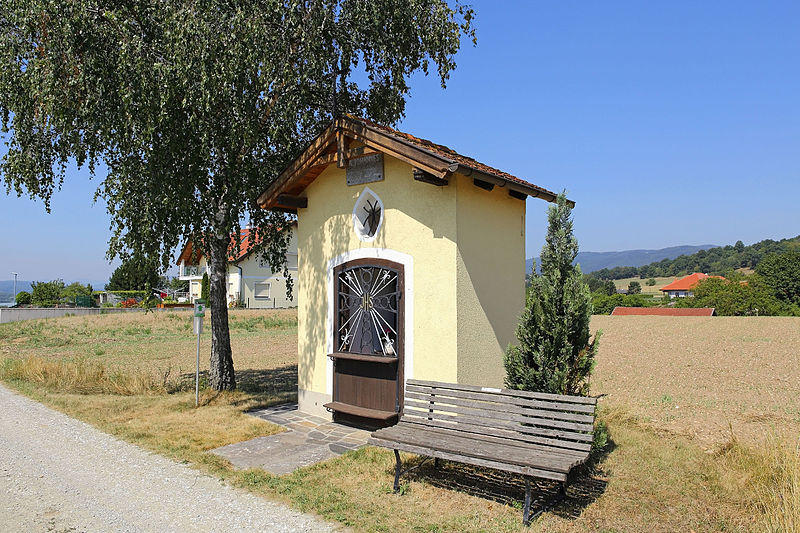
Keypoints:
pixel 502 399
pixel 466 446
pixel 503 408
pixel 521 444
pixel 507 392
pixel 529 430
pixel 579 447
pixel 497 465
pixel 471 411
pixel 533 434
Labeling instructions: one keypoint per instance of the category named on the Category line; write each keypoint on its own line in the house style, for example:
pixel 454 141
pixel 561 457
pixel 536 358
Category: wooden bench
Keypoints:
pixel 533 434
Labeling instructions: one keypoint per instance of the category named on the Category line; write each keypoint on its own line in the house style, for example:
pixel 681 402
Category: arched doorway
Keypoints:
pixel 368 350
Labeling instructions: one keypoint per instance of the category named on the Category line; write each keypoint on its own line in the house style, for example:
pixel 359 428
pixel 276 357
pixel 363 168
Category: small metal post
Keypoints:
pixel 197 373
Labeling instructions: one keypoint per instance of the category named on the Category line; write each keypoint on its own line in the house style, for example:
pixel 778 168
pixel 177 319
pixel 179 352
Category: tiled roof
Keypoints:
pixel 663 311
pixel 249 239
pixel 686 283
pixel 448 153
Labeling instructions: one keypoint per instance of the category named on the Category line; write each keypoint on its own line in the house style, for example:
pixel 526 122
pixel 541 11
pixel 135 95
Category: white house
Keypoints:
pixel 250 283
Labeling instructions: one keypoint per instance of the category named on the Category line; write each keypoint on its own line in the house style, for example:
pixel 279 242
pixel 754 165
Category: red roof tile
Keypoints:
pixel 663 311
pixel 686 283
pixel 249 239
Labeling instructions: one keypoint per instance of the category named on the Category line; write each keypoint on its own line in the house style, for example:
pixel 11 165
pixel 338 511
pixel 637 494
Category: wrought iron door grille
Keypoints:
pixel 367 311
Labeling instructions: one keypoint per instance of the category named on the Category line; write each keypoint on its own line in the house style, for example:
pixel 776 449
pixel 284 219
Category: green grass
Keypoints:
pixel 646 289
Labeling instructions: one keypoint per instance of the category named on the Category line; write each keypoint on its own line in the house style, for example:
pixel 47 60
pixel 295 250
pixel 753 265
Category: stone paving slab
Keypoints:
pixel 308 439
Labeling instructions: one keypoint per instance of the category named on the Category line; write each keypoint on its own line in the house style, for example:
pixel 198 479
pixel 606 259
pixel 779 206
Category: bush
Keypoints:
pixel 130 302
pixel 23 298
pixel 634 287
pixel 46 293
pixel 604 304
pixel 651 282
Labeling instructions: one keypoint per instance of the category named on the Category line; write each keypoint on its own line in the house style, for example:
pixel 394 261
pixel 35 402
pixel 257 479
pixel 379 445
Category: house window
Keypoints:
pixel 291 261
pixel 261 291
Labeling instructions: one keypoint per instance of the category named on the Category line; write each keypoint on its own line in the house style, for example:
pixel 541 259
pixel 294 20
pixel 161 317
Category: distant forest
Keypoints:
pixel 716 261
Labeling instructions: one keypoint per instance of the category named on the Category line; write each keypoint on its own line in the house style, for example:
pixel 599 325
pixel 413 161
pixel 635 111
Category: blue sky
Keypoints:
pixel 668 123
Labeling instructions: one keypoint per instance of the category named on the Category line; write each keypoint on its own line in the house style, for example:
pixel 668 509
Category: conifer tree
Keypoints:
pixel 556 352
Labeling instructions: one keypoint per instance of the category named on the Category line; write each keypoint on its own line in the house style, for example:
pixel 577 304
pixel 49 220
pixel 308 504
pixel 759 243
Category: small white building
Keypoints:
pixel 250 283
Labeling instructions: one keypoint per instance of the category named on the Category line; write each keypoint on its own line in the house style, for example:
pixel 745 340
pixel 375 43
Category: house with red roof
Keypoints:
pixel 250 282
pixel 681 288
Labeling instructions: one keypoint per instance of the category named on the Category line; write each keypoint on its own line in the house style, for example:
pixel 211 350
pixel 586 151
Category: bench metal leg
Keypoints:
pixel 526 510
pixel 527 518
pixel 397 472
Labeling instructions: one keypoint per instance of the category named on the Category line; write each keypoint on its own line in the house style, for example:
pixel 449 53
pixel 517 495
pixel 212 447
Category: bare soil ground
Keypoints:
pixel 703 377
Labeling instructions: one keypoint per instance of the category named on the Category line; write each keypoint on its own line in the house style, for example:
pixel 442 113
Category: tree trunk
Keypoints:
pixel 221 375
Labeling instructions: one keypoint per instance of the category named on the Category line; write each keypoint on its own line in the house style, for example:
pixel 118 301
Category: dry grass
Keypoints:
pixel 773 470
pixel 110 371
pixel 153 343
pixel 84 377
pixel 704 377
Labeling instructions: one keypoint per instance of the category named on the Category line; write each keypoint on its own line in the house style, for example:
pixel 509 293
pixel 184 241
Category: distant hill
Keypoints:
pixel 720 260
pixel 7 289
pixel 591 261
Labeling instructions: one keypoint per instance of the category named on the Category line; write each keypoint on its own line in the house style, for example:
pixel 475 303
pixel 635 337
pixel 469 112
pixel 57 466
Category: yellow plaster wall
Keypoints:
pixel 419 221
pixel 490 270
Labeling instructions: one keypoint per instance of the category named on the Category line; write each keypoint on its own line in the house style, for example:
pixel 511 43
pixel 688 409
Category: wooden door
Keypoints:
pixel 368 342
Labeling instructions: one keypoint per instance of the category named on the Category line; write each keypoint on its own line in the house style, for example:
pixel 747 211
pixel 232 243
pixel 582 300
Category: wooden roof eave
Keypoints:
pixel 500 181
pixel 298 167
pixel 377 139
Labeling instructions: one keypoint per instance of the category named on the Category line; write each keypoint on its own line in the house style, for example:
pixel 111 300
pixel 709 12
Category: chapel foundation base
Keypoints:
pixel 312 402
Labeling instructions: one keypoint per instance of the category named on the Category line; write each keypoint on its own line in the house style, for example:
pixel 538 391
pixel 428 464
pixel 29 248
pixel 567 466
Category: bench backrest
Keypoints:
pixel 551 420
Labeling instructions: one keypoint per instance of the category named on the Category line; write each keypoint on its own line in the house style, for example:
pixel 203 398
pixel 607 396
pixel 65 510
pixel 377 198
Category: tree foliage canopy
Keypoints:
pixel 194 107
pixel 46 293
pixel 738 298
pixel 136 273
pixel 555 352
pixel 781 272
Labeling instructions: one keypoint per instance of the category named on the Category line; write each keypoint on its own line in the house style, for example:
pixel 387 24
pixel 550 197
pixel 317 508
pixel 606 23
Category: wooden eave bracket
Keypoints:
pixel 427 177
pixel 415 157
pixel 292 202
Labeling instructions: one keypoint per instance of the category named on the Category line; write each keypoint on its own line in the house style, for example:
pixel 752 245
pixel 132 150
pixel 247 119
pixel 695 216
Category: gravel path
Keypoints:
pixel 61 475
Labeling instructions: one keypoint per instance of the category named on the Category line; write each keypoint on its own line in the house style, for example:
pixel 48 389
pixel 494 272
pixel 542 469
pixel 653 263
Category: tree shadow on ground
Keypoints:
pixel 268 386
pixel 586 483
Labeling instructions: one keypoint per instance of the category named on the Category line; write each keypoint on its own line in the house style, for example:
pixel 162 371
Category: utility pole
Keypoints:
pixel 15 286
